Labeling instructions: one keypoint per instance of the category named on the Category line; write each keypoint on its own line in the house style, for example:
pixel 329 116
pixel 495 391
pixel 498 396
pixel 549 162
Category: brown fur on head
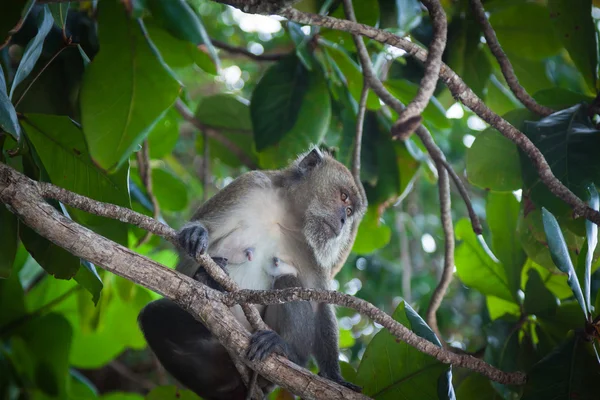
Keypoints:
pixel 323 191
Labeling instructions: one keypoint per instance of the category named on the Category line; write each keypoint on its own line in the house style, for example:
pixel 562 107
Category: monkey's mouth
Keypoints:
pixel 335 232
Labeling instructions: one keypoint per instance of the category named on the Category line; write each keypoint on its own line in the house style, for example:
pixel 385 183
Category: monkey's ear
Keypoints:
pixel 311 160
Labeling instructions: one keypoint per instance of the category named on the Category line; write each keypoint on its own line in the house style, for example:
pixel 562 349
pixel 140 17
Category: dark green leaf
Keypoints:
pixel 276 101
pixel 560 255
pixel 391 369
pixel 12 302
pixel 475 266
pixel 554 280
pixel 560 98
pixel 539 301
pixel 55 260
pixel 59 13
pixel 502 212
pixel 366 11
pixel 12 17
pixel 434 114
pixel 573 23
pixel 61 148
pixel 569 372
pixel 8 242
pixel 121 396
pixel 303 50
pixel 476 387
pixel 171 393
pixel 532 74
pixel 117 117
pixel 525 30
pixel 503 347
pixel 565 138
pixel 8 116
pixel 34 48
pixel 88 277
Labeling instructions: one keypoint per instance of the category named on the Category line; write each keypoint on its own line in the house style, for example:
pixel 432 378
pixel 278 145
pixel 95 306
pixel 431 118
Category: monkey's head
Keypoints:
pixel 324 192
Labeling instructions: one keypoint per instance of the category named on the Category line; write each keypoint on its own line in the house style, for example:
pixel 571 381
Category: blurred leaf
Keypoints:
pixel 574 25
pixel 34 48
pixel 555 327
pixel 497 308
pixel 476 387
pixel 55 260
pixel 408 13
pixel 8 116
pixel 121 396
pixel 502 213
pixel 169 190
pixel 539 300
pixel 164 134
pixel 88 277
pixel 12 17
pixel 366 11
pixel 560 255
pixel 8 241
pixel 372 234
pixel 503 347
pixel 391 369
pixel 405 91
pixel 554 280
pixel 532 74
pixel 178 54
pixel 476 268
pixel 277 100
pixel 170 392
pixel 117 117
pixel 348 371
pixel 525 30
pixel 499 98
pixel 80 388
pixel 59 13
pixel 61 147
pixel 301 40
pixel 569 372
pixel 591 231
pixel 346 339
pixel 560 98
pixel 11 294
pixel 493 162
pixel 565 138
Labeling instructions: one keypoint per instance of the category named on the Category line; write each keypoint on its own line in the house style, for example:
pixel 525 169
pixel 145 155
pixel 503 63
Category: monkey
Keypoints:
pixel 270 229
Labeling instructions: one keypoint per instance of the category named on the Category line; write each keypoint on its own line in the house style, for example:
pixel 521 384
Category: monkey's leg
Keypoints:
pixel 189 353
pixel 293 324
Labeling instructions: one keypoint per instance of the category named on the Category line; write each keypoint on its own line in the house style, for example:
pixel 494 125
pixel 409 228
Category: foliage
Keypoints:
pixel 84 84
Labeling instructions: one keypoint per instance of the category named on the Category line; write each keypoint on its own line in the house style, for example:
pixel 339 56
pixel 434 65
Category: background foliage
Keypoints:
pixel 84 84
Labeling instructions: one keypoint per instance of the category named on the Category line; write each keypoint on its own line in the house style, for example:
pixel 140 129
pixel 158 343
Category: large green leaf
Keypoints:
pixel 34 48
pixel 498 308
pixel 8 240
pixel 539 300
pixel 560 255
pixel 476 387
pixel 169 190
pixel 8 116
pixel 405 91
pixel 125 89
pixel 574 25
pixel 61 147
pixel 567 139
pixel 367 12
pixel 475 266
pixel 164 134
pixel 502 212
pixel 372 233
pixel 392 369
pixel 309 129
pixel 60 11
pixel 554 280
pixel 560 98
pixel 525 30
pixel 569 372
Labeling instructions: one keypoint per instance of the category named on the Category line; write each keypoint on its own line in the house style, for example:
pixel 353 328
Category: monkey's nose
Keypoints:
pixel 343 216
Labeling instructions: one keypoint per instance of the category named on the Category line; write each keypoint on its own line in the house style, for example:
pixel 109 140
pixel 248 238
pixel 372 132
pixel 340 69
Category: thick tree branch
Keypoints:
pixel 24 198
pixel 505 65
pixel 368 309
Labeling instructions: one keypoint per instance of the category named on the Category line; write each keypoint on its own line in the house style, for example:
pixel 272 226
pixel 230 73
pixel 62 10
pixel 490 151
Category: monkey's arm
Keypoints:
pixel 326 348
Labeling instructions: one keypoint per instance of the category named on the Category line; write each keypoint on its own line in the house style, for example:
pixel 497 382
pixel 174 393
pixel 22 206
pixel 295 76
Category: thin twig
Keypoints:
pixel 213 134
pixel 505 65
pixel 240 50
pixel 145 171
pixel 475 222
pixel 356 152
pixel 410 118
pixel 462 93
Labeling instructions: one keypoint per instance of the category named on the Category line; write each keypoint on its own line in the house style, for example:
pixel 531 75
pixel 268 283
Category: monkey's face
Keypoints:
pixel 331 203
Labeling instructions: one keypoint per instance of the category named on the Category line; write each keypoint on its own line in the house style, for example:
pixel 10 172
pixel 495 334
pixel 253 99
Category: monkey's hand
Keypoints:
pixel 193 238
pixel 340 381
pixel 263 343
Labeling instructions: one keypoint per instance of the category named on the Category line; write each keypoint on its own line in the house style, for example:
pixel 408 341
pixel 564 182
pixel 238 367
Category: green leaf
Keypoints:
pixel 372 233
pixel 493 162
pixel 565 138
pixel 525 30
pixel 170 393
pixel 434 114
pixel 179 55
pixel 591 231
pixel 554 280
pixel 88 277
pixel 61 147
pixel 164 134
pixel 475 266
pixel 391 369
pixel 117 117
pixel 574 25
pixel 169 190
pixel 8 116
pixel 12 303
pixel 12 17
pixel 560 98
pixel 502 213
pixel 277 100
pixel 60 11
pixel 8 242
pixel 311 125
pixel 408 14
pixel 366 11
pixel 498 308
pixel 539 300
pixel 303 50
pixel 476 387
pixel 569 372
pixel 34 48
pixel 560 255
pixel 121 396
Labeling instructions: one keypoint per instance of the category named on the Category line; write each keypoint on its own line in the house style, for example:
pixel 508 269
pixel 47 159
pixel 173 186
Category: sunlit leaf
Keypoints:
pixel 497 307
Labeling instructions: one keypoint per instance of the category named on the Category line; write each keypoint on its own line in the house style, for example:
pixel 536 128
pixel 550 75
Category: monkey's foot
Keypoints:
pixel 340 381
pixel 193 238
pixel 263 343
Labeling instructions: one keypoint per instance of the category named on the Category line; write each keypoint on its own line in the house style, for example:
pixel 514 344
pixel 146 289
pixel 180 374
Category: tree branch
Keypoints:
pixel 505 65
pixel 240 50
pixel 214 134
pixel 24 198
pixel 145 172
pixel 360 121
pixel 475 222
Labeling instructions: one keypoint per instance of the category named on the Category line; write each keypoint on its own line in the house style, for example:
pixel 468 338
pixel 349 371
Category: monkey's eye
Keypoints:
pixel 348 211
pixel 344 197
